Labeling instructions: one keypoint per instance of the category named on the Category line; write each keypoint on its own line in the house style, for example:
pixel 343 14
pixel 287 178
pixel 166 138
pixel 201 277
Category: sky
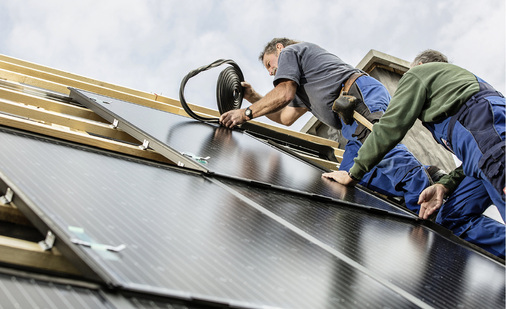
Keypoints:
pixel 150 45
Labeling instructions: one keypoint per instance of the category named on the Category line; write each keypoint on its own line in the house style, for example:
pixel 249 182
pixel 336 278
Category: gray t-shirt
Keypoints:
pixel 319 76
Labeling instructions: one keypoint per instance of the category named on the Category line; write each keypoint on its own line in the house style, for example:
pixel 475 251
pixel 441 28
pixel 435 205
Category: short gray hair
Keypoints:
pixel 429 55
pixel 271 46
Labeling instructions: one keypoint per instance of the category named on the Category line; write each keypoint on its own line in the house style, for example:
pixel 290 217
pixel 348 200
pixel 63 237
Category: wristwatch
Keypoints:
pixel 352 177
pixel 248 113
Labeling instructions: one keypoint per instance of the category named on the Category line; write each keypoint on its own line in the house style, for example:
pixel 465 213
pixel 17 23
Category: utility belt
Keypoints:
pixel 352 97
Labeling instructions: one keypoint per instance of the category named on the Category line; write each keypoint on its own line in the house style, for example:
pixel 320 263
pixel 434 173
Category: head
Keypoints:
pixel 427 56
pixel 269 56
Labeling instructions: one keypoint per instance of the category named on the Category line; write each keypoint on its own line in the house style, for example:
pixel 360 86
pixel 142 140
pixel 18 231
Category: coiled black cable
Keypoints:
pixel 229 92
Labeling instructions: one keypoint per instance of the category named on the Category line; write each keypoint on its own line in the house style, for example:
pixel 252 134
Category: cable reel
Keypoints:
pixel 229 92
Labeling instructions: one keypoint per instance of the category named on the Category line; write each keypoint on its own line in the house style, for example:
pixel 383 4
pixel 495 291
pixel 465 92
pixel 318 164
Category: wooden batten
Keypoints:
pixel 20 252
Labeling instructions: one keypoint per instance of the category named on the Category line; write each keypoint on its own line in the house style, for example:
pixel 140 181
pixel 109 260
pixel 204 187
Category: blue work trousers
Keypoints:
pixel 399 174
pixel 476 136
pixel 462 213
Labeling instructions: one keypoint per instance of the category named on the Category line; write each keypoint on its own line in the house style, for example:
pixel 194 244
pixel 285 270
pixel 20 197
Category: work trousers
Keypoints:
pixel 399 174
pixel 476 136
pixel 462 213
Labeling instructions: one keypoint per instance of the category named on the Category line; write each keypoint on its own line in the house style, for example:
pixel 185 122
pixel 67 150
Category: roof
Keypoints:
pixel 114 198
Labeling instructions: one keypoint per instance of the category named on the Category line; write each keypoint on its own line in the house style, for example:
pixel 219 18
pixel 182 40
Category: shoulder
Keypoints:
pixel 303 47
pixel 438 69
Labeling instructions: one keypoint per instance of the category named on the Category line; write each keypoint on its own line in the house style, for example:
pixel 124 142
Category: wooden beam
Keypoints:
pixel 76 123
pixel 29 254
pixel 80 137
pixel 50 105
pixel 9 213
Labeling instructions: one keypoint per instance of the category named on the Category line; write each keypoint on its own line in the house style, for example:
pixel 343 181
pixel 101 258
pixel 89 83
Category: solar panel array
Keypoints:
pixel 248 227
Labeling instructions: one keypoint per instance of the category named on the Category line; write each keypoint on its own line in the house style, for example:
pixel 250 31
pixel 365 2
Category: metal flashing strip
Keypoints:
pixel 250 248
pixel 230 153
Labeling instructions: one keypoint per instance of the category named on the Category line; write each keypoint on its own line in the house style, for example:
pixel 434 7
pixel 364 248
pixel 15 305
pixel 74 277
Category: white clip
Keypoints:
pixel 7 198
pixel 115 124
pixel 144 145
pixel 47 243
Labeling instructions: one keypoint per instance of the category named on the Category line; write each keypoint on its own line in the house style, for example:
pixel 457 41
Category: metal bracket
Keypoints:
pixel 91 245
pixel 47 244
pixel 115 124
pixel 144 145
pixel 7 198
pixel 202 160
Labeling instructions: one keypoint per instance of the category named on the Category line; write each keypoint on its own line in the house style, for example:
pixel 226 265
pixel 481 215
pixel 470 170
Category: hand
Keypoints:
pixel 431 199
pixel 233 118
pixel 249 93
pixel 341 177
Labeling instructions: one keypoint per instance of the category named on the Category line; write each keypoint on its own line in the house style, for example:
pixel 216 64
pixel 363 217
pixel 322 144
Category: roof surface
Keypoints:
pixel 140 206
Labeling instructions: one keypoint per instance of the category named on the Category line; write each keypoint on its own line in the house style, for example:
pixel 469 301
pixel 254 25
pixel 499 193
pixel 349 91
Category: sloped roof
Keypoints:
pixel 254 227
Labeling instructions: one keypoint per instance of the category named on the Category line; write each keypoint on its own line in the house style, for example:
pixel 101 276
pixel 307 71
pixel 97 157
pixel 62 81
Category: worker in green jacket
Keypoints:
pixel 464 114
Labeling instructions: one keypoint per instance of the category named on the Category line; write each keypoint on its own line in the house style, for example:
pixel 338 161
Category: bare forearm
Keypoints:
pixel 275 100
pixel 253 97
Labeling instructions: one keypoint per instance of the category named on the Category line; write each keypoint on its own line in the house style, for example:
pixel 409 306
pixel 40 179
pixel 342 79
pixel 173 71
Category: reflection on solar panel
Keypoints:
pixel 193 236
pixel 221 151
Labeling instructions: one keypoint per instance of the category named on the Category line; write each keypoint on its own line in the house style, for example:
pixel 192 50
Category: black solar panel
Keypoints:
pixel 198 238
pixel 26 292
pixel 224 152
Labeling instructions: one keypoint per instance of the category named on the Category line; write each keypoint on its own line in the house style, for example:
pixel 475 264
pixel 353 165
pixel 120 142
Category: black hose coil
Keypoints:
pixel 229 92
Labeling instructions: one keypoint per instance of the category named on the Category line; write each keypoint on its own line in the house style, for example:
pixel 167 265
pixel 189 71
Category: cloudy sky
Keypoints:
pixel 150 45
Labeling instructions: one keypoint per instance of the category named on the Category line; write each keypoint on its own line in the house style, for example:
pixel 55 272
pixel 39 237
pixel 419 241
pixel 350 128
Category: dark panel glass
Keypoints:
pixel 19 292
pixel 231 152
pixel 185 236
pixel 426 264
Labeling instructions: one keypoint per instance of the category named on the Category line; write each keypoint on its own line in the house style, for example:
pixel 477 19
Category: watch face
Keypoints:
pixel 248 112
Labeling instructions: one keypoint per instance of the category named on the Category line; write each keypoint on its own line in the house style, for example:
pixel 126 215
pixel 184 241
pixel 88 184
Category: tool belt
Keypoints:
pixel 351 94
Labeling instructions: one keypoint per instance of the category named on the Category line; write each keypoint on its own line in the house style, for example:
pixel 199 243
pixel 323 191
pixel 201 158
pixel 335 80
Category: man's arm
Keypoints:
pixel 286 116
pixel 402 112
pixel 432 198
pixel 274 101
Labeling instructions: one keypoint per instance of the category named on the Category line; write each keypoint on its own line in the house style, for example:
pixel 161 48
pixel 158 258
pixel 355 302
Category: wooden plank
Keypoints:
pixel 29 76
pixel 80 137
pixel 324 163
pixel 76 123
pixel 38 67
pixel 8 213
pixel 26 253
pixel 50 105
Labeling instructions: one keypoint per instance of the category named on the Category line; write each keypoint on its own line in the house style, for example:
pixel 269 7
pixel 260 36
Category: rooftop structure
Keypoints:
pixel 114 198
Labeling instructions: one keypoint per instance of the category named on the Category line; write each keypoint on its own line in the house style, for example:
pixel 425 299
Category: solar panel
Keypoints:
pixel 195 237
pixel 222 151
pixel 29 290
pixel 26 292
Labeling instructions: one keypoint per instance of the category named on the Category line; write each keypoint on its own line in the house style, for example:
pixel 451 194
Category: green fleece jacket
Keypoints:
pixel 429 92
